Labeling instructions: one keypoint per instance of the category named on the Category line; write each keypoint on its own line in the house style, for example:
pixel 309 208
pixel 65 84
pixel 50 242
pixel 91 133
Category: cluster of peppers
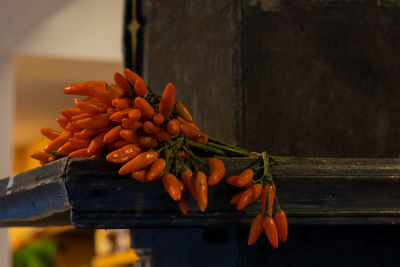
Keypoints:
pixel 155 138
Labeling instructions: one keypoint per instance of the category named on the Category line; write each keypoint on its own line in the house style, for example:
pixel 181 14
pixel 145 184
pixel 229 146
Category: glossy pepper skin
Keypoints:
pixel 141 161
pixel 181 110
pixel 172 186
pixel 271 231
pixel 200 185
pixel 124 153
pixel 217 171
pixel 167 100
pixel 281 225
pixel 256 229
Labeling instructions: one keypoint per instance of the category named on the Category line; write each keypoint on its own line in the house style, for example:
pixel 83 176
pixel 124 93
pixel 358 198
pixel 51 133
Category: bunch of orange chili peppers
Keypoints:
pixel 153 138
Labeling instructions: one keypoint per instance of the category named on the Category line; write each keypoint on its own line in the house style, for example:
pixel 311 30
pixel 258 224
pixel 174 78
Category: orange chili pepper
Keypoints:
pixel 245 178
pixel 201 138
pixel 183 202
pixel 89 107
pixel 200 184
pixel 120 80
pixel 163 135
pixel 140 87
pixel 146 110
pixel 80 116
pixel 50 133
pixel 97 121
pixel 235 199
pixel 183 121
pixel 96 145
pixel 121 102
pixel 112 135
pixel 172 186
pixel 188 180
pixel 79 143
pixel 107 95
pixel 124 153
pixel 130 124
pixel 140 175
pixel 156 170
pixel 148 141
pixel 131 76
pixel 85 88
pixel 80 153
pixel 134 114
pixel 129 135
pixel 281 225
pixel 158 118
pixel 65 149
pixel 121 143
pixel 141 161
pixel 150 128
pixel 232 180
pixel 182 111
pixel 256 229
pixel 217 171
pixel 167 100
pixel 57 142
pixel 88 133
pixel 250 195
pixel 63 122
pixel 71 127
pixel 271 231
pixel 264 195
pixel 271 197
pixel 41 156
pixel 111 111
pixel 70 112
pixel 119 115
pixel 173 127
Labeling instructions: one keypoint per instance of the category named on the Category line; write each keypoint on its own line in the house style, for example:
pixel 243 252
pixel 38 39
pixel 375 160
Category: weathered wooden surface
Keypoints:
pixel 35 197
pixel 311 191
pixel 316 78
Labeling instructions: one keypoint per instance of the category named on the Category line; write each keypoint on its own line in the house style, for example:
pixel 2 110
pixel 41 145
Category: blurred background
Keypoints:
pixel 46 45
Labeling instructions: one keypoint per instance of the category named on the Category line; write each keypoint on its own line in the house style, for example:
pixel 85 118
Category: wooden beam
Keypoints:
pixel 310 190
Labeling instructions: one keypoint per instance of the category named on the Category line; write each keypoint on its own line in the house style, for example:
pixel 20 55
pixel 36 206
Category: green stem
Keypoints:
pixel 206 148
pixel 230 149
pixel 192 155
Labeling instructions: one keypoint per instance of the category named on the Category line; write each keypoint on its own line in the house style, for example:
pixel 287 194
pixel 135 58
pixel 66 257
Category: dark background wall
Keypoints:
pixel 295 78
